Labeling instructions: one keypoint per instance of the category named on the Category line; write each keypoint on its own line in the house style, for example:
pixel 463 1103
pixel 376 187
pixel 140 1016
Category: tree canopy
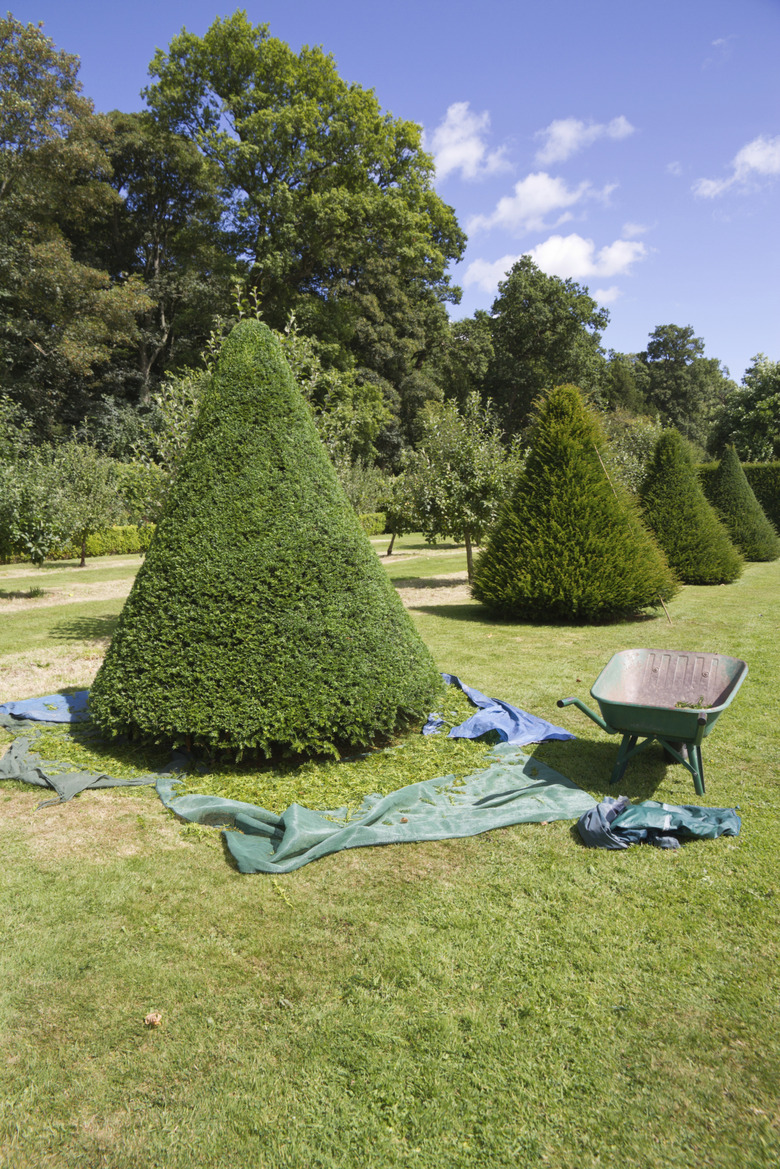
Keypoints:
pixel 750 416
pixel 545 332
pixel 682 385
pixel 63 317
pixel 329 197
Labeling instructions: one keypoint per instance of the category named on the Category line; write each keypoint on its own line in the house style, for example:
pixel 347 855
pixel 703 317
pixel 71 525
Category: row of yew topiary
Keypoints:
pixel 571 543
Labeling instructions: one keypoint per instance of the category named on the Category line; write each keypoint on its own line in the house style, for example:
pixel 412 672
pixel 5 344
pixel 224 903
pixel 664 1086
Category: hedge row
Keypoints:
pixel 117 541
pixel 764 478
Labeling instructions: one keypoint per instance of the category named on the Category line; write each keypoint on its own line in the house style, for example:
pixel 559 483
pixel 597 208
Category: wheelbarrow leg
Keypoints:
pixel 627 744
pixel 694 758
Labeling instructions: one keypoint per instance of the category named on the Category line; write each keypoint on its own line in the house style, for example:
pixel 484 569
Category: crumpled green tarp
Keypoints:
pixel 512 789
pixel 20 762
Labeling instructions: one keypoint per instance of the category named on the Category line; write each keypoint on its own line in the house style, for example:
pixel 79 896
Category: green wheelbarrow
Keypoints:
pixel 671 696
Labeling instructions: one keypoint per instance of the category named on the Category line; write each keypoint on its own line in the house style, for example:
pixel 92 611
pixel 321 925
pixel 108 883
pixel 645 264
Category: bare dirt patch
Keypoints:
pixel 96 826
pixel 447 589
pixel 79 590
pixel 50 670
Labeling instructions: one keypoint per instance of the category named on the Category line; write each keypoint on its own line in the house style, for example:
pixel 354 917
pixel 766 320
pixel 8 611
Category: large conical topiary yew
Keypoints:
pixel 696 543
pixel 743 516
pixel 261 620
pixel 569 543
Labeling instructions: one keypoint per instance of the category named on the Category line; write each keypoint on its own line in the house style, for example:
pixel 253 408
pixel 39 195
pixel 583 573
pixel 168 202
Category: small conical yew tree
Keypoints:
pixel 262 620
pixel 696 543
pixel 743 516
pixel 569 543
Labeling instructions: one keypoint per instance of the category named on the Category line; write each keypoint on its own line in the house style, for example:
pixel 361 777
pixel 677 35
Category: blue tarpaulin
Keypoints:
pixel 512 724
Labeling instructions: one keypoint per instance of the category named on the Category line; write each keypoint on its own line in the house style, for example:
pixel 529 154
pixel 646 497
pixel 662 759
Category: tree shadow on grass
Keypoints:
pixel 86 628
pixel 589 764
pixel 474 611
pixel 427 582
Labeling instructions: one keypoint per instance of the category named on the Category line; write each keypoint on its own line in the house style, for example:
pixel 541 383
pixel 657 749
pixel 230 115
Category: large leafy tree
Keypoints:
pixel 683 386
pixel 330 198
pixel 63 318
pixel 546 332
pixel 750 416
pixel 167 230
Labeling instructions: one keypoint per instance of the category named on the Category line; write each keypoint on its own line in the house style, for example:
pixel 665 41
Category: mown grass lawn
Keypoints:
pixel 508 1000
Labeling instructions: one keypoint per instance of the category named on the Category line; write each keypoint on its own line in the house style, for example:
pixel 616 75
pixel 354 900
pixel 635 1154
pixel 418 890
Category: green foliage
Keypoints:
pixel 141 487
pixel 734 500
pixel 675 507
pixel 458 475
pixel 118 540
pixel 750 418
pixel 329 198
pixel 631 442
pixel 86 489
pixel 685 388
pixel 63 317
pixel 373 523
pixel 545 331
pixel 569 543
pixel 764 478
pixel 261 620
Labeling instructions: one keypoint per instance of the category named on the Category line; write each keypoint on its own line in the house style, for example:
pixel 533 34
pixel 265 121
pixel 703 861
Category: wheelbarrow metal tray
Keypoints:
pixel 664 693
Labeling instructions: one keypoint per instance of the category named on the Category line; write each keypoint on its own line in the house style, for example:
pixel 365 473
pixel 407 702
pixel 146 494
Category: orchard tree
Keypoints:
pixel 85 484
pixel 458 474
pixel 546 332
pixel 330 199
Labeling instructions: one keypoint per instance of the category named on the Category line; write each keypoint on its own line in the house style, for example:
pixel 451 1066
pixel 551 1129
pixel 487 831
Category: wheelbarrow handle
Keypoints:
pixel 590 713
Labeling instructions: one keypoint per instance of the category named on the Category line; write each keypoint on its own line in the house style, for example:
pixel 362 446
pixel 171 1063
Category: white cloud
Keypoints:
pixel 674 168
pixel 572 256
pixel 536 197
pixel 761 157
pixel 564 256
pixel 607 295
pixel 567 136
pixel 486 275
pixel 631 230
pixel 457 144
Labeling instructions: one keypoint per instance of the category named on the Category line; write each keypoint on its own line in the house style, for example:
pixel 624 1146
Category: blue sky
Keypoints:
pixel 633 147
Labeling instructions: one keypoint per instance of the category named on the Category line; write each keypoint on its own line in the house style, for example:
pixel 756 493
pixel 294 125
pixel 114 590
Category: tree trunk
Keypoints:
pixel 390 545
pixel 469 555
pixel 83 550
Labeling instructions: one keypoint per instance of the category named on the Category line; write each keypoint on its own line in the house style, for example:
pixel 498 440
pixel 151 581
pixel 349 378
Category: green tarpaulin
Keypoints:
pixel 512 788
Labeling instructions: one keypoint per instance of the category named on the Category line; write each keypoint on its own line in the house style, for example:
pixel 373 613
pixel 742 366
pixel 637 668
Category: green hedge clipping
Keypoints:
pixel 569 543
pixel 696 543
pixel 261 620
pixel 731 495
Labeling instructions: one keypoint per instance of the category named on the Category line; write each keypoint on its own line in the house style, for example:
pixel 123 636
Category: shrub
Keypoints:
pixel 569 543
pixel 732 497
pixel 696 543
pixel 261 620
pixel 373 524
pixel 764 478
